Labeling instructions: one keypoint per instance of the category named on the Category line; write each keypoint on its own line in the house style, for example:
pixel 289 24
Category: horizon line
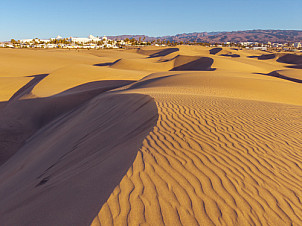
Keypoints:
pixel 171 35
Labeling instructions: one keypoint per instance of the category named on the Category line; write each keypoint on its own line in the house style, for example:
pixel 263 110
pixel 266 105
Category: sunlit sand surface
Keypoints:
pixel 153 136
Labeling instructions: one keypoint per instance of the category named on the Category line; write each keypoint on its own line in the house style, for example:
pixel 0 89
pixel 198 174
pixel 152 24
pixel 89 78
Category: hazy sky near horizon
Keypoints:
pixel 44 19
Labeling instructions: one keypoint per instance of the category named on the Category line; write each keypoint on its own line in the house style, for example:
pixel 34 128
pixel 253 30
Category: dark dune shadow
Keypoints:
pixel 264 56
pixel 163 61
pixel 144 83
pixel 277 75
pixel 201 64
pixel 215 50
pixel 164 52
pixel 99 86
pixel 81 146
pixel 230 55
pixel 26 89
pixel 19 119
pixel 106 64
pixel 298 66
pixel 252 57
pixel 267 56
pixel 295 60
pixel 290 59
pixel 2 105
pixel 157 52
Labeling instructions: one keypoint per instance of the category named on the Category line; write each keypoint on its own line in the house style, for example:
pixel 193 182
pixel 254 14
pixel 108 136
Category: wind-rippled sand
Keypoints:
pixel 213 161
pixel 177 136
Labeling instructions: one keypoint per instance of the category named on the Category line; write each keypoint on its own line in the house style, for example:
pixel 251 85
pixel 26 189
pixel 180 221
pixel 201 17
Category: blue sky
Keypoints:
pixel 45 19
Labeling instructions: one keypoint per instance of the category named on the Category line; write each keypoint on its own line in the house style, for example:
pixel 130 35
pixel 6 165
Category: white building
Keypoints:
pixel 26 40
pixel 79 40
pixel 51 46
pixel 297 44
pixel 94 39
pixel 248 43
pixel 34 40
pixel 57 38
pixel 277 45
pixel 44 40
pixel 264 48
pixel 90 38
pixel 91 42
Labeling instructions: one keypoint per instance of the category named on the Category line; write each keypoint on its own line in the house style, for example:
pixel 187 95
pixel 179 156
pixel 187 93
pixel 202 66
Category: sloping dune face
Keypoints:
pixel 189 63
pixel 152 136
pixel 20 119
pixel 152 53
pixel 63 174
pixel 213 161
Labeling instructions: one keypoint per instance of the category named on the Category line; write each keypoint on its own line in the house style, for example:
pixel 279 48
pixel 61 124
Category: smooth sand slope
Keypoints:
pixel 154 136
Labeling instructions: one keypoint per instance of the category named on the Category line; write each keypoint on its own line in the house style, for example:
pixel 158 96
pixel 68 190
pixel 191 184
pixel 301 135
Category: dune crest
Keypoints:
pixel 69 166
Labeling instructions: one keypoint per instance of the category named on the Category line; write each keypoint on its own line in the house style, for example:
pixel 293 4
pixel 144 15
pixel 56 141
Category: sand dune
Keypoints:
pixel 27 62
pixel 142 65
pixel 294 59
pixel 225 84
pixel 69 167
pixel 290 75
pixel 290 59
pixel 213 161
pixel 20 119
pixel 266 56
pixel 214 51
pixel 152 53
pixel 178 63
pixel 71 76
pixel 192 63
pixel 151 136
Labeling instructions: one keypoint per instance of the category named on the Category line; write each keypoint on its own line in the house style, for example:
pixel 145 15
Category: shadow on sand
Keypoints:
pixel 164 52
pixel 230 55
pixel 214 51
pixel 105 64
pixel 201 64
pixel 62 156
pixel 277 75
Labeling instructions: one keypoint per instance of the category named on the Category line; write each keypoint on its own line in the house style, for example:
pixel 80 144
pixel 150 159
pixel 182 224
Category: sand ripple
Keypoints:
pixel 214 161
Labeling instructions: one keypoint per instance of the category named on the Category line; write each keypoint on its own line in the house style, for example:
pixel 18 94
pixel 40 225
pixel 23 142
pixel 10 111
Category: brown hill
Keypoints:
pixel 233 36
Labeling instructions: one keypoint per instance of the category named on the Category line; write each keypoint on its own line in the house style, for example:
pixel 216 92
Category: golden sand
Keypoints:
pixel 221 143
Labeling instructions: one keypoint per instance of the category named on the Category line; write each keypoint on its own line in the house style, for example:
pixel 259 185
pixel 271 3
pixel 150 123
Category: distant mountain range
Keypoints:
pixel 279 36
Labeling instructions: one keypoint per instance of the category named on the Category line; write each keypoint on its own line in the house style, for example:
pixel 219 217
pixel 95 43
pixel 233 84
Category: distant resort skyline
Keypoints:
pixel 115 42
pixel 142 34
pixel 257 38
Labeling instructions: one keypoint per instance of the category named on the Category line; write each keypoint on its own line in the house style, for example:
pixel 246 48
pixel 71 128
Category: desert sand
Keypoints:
pixel 151 136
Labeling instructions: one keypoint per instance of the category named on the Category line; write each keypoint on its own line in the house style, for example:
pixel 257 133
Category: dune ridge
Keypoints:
pixel 69 163
pixel 21 118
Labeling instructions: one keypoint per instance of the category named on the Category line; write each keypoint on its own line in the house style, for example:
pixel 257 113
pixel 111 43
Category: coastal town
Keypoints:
pixel 96 42
pixel 91 42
